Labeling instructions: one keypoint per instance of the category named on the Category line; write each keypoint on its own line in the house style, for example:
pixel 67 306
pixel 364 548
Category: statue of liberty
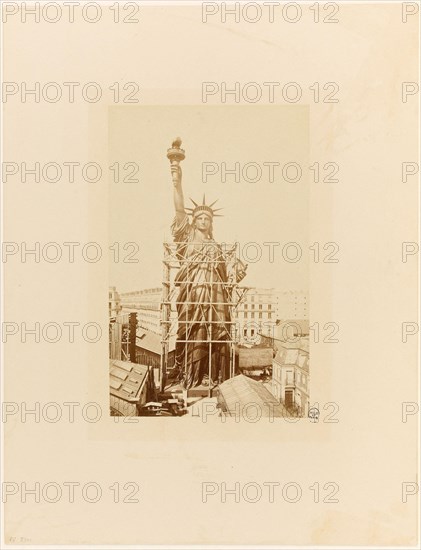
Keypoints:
pixel 205 280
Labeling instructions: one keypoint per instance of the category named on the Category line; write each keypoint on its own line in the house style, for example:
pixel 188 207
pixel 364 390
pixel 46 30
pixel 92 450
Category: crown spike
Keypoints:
pixel 203 208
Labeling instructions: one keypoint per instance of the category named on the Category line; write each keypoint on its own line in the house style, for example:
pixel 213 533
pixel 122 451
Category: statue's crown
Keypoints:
pixel 203 208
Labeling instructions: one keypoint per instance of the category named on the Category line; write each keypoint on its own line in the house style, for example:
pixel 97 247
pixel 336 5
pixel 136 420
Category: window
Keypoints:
pixel 245 315
pixel 252 332
pixel 252 315
pixel 260 306
pixel 269 315
pixel 260 315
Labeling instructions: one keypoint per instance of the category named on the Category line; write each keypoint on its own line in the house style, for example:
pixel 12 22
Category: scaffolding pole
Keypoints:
pixel 165 315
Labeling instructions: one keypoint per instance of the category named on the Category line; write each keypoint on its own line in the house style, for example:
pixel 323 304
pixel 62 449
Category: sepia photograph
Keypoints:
pixel 216 313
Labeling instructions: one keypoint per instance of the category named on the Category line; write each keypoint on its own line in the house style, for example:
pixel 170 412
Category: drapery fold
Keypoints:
pixel 204 327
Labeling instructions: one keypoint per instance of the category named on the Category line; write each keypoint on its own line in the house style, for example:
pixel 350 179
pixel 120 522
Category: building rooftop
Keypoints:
pixel 285 328
pixel 148 340
pixel 151 341
pixel 155 290
pixel 293 353
pixel 127 379
pixel 239 391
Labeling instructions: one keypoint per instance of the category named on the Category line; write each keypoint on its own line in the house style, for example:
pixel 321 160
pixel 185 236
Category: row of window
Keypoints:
pixel 252 315
pixel 269 306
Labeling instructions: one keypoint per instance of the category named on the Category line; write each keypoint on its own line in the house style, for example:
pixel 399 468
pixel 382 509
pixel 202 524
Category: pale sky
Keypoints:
pixel 258 212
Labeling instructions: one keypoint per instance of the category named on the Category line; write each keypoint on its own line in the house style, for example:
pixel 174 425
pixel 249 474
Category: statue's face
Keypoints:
pixel 203 222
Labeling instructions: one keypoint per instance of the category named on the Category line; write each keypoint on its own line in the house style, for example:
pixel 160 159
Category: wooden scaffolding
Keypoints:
pixel 172 262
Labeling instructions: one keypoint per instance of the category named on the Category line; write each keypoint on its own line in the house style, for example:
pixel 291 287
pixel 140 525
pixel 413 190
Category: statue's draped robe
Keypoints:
pixel 203 313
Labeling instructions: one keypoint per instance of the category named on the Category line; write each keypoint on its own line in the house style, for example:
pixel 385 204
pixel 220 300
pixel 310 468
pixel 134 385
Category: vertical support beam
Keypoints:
pixel 115 330
pixel 132 336
pixel 235 299
pixel 210 318
pixel 188 330
pixel 165 315
pixel 233 361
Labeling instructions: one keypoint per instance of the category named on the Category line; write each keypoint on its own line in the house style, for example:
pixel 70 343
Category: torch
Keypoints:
pixel 175 154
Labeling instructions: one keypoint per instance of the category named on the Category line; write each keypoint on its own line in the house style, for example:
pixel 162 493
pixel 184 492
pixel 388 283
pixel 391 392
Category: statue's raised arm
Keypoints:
pixel 175 154
pixel 178 192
